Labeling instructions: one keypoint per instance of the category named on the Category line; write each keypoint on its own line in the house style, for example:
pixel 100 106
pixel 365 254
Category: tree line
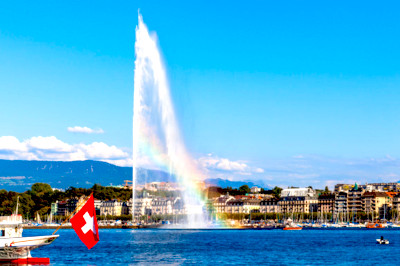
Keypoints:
pixel 38 199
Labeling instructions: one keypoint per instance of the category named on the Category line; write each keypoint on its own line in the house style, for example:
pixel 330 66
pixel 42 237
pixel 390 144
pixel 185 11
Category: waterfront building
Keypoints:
pixel 354 199
pixel 113 207
pixel 269 206
pixel 62 208
pixel 384 210
pixel 298 200
pixel 298 204
pixel 71 205
pixel 125 208
pixel 396 203
pixel 384 187
pixel 143 206
pixel 97 205
pixel 162 206
pixel 65 207
pixel 54 208
pixel 396 206
pixel 220 203
pixel 255 189
pixel 129 205
pixel 251 205
pixel 340 204
pixel 234 206
pixel 326 203
pixel 374 201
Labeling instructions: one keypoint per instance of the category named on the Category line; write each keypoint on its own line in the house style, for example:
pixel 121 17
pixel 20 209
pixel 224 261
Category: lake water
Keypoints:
pixel 210 247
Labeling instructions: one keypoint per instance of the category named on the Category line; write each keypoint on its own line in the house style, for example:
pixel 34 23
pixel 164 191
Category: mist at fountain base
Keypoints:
pixel 198 224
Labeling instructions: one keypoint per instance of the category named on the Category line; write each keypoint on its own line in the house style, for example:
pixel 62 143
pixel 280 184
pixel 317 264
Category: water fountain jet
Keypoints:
pixel 156 135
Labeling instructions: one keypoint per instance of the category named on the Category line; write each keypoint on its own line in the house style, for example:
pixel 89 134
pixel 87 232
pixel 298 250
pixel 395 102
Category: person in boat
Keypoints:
pixel 382 238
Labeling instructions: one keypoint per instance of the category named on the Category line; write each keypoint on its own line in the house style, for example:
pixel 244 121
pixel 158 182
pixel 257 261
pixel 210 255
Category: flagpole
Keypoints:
pixel 72 213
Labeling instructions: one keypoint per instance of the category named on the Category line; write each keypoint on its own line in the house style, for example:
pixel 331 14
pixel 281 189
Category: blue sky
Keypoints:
pixel 270 85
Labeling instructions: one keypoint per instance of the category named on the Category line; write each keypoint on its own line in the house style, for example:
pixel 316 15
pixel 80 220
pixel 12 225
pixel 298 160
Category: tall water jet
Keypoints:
pixel 156 136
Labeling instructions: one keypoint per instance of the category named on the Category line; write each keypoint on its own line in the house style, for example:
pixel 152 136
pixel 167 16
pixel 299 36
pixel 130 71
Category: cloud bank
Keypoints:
pixel 300 170
pixel 51 148
pixel 306 170
pixel 320 171
pixel 85 130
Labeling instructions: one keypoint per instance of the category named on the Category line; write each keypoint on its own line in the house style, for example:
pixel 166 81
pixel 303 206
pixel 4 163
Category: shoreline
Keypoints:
pixel 215 228
pixel 70 227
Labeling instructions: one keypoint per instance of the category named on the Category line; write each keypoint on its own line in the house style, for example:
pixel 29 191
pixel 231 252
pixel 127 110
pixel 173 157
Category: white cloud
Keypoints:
pixel 222 164
pixel 211 162
pixel 48 143
pixel 11 143
pixel 85 130
pixel 259 170
pixel 100 150
pixel 51 148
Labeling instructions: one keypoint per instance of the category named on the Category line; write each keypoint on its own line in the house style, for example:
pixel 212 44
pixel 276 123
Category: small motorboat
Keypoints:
pixel 382 241
pixel 293 228
pixel 290 225
pixel 376 225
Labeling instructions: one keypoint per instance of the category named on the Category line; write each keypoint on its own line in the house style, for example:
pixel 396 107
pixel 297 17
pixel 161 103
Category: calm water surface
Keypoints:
pixel 210 247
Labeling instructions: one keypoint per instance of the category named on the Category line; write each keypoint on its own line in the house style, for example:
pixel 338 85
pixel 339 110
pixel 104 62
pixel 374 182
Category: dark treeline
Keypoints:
pixel 39 198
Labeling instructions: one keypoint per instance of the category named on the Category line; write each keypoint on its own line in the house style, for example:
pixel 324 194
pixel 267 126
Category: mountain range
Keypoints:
pixel 19 175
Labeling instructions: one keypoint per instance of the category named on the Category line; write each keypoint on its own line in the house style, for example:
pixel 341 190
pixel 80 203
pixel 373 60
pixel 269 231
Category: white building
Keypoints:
pixel 269 206
pixel 298 192
pixel 162 206
pixel 114 208
pixel 143 206
pixel 220 203
pixel 255 189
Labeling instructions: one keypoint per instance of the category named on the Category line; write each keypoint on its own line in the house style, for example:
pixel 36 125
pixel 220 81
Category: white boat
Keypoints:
pixel 382 241
pixel 13 246
pixel 394 226
pixel 353 225
pixel 290 225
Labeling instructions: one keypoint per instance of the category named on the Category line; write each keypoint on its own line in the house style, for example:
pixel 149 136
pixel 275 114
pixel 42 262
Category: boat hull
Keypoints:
pixel 293 228
pixel 20 247
pixel 375 226
pixel 382 241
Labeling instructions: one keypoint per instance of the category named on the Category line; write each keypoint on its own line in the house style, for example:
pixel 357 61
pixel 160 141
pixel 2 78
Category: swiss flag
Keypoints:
pixel 85 225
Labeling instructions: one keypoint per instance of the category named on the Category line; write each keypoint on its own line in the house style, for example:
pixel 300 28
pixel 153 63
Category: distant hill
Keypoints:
pixel 19 175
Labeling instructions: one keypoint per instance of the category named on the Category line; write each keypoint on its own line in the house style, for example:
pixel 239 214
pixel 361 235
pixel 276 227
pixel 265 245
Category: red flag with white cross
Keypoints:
pixel 85 225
